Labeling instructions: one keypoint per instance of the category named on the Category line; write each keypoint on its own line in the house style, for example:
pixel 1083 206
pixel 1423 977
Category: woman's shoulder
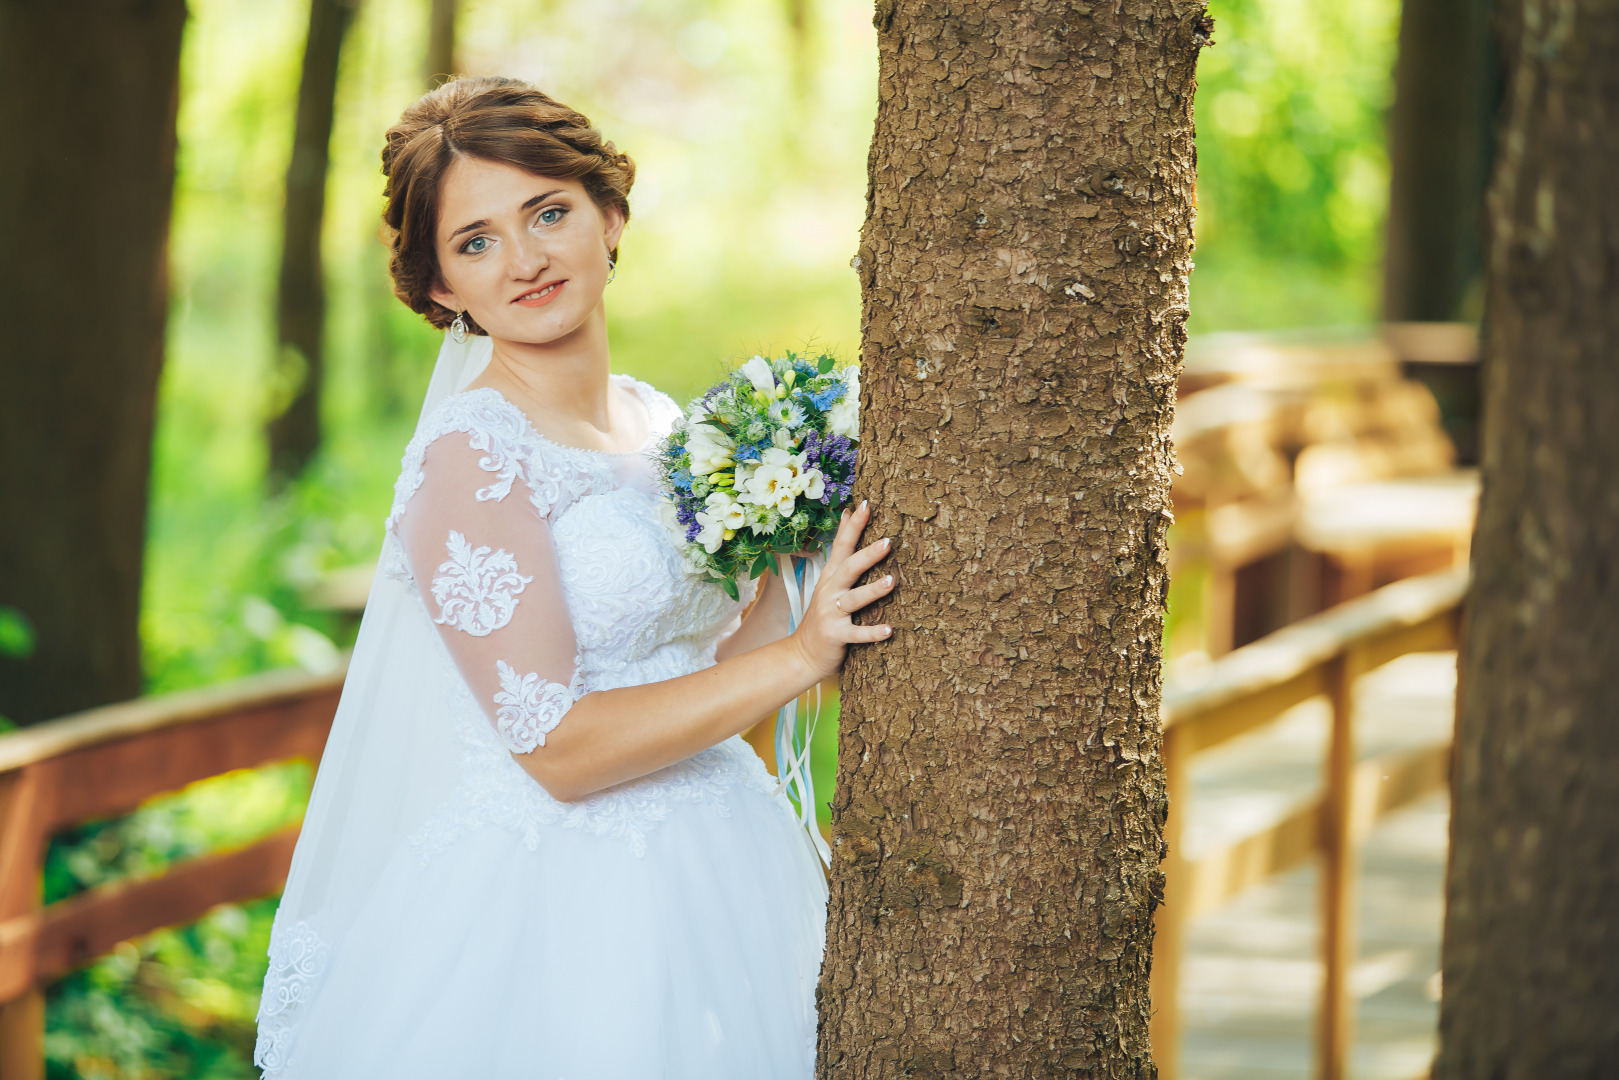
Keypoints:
pixel 489 444
pixel 485 423
pixel 484 415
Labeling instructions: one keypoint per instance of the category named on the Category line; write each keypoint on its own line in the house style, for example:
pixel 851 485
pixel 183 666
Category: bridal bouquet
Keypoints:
pixel 762 464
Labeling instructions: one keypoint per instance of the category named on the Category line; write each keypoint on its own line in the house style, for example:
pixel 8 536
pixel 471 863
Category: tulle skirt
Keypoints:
pixel 582 960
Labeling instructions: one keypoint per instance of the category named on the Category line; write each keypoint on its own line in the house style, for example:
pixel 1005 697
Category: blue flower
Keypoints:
pixel 825 399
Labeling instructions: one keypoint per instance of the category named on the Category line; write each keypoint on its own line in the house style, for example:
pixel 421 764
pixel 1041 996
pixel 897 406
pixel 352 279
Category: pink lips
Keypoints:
pixel 529 300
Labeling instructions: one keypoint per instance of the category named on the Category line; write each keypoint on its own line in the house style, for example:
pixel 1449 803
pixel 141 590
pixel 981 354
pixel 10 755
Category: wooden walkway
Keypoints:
pixel 1251 972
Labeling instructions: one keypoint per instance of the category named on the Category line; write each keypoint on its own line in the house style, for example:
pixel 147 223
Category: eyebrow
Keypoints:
pixel 483 223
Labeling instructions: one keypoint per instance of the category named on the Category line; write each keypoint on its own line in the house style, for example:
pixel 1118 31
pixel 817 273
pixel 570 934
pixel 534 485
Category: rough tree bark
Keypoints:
pixel 295 431
pixel 1531 953
pixel 88 92
pixel 1000 797
pixel 1439 149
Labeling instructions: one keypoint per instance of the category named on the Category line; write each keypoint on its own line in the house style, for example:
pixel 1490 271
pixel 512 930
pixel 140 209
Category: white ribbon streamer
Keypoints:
pixel 793 772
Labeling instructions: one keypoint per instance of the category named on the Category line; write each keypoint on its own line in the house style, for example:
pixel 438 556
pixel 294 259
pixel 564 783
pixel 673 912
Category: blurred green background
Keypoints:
pixel 749 123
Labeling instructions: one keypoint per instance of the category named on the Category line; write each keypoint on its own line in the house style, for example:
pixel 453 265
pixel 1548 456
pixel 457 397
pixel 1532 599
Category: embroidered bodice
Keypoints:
pixel 550 573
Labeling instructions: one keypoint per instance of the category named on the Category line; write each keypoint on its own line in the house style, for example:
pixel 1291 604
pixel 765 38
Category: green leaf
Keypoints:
pixel 729 585
pixel 16 634
pixel 775 567
pixel 760 564
pixel 825 365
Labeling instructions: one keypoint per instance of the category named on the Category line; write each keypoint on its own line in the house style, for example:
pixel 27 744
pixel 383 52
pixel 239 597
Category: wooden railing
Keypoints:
pixel 107 762
pixel 1250 687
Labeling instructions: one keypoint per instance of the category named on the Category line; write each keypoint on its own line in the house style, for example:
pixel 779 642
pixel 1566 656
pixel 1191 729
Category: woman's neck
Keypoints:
pixel 565 389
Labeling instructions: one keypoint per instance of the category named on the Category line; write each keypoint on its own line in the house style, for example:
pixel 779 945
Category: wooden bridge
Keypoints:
pixel 108 761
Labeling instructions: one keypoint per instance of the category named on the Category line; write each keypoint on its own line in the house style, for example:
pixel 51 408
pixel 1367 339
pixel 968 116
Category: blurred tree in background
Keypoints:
pixel 1446 94
pixel 750 123
pixel 295 430
pixel 1531 946
pixel 88 91
pixel 441 27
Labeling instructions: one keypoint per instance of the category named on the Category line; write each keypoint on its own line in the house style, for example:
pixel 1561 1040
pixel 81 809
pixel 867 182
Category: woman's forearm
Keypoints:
pixel 611 736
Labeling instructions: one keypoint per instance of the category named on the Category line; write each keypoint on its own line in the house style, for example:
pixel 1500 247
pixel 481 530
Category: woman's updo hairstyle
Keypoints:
pixel 496 119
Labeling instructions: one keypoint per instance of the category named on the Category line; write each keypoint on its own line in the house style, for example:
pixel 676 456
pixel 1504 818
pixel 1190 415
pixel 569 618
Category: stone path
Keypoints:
pixel 1251 973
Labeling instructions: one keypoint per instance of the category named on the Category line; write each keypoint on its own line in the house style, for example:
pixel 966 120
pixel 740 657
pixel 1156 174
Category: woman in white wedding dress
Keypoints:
pixel 537 845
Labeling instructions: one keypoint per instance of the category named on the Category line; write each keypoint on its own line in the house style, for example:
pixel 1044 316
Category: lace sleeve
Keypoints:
pixel 483 559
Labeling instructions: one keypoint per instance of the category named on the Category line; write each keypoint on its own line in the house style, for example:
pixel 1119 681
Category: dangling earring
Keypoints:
pixel 612 268
pixel 458 329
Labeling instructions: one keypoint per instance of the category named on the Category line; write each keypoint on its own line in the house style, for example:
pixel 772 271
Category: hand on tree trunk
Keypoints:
pixel 827 629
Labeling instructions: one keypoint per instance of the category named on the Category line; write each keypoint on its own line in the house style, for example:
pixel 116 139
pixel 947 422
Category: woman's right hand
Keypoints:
pixel 826 630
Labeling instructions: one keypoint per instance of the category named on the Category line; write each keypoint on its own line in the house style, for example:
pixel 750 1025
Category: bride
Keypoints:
pixel 537 845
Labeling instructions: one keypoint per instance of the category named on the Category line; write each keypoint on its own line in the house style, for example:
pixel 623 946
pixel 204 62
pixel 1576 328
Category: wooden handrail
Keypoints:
pixel 108 761
pixel 1253 686
pixel 1295 654
pixel 159 711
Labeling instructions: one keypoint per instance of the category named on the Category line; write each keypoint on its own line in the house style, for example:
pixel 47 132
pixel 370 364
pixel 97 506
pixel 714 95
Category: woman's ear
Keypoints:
pixel 445 298
pixel 613 222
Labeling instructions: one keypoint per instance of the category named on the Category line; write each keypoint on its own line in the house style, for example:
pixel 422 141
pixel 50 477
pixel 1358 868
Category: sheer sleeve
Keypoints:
pixel 482 557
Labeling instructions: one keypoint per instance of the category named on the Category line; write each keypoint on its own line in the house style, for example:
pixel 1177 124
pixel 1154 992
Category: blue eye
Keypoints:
pixel 552 214
pixel 476 246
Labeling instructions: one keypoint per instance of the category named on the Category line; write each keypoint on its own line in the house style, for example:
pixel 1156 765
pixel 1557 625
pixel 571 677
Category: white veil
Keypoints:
pixel 388 764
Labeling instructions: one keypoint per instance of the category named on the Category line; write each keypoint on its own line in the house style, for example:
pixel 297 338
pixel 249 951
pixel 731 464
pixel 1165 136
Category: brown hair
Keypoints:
pixel 496 119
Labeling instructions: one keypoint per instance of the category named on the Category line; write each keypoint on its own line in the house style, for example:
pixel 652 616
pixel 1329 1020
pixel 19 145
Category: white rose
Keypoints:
pixel 759 374
pixel 843 418
pixel 710 449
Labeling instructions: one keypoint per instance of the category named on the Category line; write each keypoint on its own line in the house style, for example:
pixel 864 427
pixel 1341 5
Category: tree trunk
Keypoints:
pixel 441 41
pixel 301 310
pixel 1446 93
pixel 1000 796
pixel 1531 953
pixel 88 93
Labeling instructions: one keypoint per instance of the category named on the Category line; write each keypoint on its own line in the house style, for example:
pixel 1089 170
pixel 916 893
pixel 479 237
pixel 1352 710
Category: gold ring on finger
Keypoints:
pixel 837 602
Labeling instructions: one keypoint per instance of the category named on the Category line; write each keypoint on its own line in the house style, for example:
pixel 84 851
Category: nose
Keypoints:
pixel 528 257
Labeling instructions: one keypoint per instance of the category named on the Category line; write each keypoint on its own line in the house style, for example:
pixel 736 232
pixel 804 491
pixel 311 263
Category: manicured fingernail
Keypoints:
pixel 887 542
pixel 888 579
pixel 862 504
pixel 887 630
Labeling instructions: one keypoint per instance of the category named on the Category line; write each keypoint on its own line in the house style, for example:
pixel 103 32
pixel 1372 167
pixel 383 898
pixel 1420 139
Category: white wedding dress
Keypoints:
pixel 445 916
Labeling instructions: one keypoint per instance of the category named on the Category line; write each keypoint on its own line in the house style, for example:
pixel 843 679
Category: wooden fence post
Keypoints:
pixel 1339 868
pixel 22 1020
pixel 1169 923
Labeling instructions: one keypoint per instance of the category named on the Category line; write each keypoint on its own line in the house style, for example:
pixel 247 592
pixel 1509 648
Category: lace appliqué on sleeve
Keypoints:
pixel 509 449
pixel 297 962
pixel 531 706
pixel 477 588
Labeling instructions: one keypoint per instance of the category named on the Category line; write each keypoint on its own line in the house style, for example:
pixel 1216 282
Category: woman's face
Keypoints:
pixel 525 255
